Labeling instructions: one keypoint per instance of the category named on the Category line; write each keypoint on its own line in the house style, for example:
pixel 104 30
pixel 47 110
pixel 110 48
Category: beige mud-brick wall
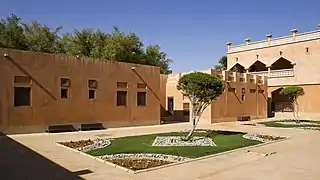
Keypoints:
pixel 302 50
pixel 47 107
pixel 309 103
pixel 229 105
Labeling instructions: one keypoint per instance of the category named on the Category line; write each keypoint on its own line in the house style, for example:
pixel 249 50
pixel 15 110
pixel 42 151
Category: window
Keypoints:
pixel 141 86
pixel 243 93
pixel 92 94
pixel 65 82
pixel 261 91
pixel 141 98
pixel 121 98
pixel 170 105
pixel 122 85
pixel 22 79
pixel 92 86
pixel 22 96
pixel 64 93
pixel 231 89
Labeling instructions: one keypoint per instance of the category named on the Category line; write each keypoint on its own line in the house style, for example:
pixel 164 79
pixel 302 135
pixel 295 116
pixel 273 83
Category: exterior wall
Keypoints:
pixel 309 103
pixel 47 107
pixel 306 72
pixel 295 52
pixel 229 105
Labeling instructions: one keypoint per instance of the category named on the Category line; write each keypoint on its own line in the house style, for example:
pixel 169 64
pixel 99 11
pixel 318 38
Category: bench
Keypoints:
pixel 60 128
pixel 243 118
pixel 91 126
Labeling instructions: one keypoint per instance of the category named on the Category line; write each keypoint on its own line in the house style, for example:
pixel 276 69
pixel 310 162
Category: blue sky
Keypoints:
pixel 192 33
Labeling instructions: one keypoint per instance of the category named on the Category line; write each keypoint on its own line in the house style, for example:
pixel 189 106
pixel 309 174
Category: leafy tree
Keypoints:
pixel 40 38
pixel 78 42
pixel 293 93
pixel 222 63
pixel 123 47
pixel 11 33
pixel 202 89
pixel 99 42
pixel 153 56
pixel 117 45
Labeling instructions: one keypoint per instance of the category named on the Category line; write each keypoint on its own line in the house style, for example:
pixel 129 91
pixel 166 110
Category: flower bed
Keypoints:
pixel 87 145
pixel 77 144
pixel 165 157
pixel 138 164
pixel 262 138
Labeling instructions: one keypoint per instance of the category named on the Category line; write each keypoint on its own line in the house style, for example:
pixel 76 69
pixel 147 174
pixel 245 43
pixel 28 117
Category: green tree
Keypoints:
pixel 222 63
pixel 123 47
pixel 11 33
pixel 201 89
pixel 40 38
pixel 99 42
pixel 79 42
pixel 293 93
pixel 153 56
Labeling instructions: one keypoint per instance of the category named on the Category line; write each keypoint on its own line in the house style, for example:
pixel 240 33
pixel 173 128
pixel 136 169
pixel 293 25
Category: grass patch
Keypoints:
pixel 225 141
pixel 275 124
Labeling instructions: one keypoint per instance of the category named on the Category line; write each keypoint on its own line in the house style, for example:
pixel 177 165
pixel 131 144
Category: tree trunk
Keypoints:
pixel 195 119
pixel 297 112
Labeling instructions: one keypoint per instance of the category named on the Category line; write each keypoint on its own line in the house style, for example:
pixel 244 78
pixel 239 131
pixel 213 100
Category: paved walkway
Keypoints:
pixel 36 156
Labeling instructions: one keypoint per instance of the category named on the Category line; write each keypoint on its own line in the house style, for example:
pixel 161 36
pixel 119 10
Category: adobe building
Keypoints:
pixel 244 95
pixel 289 60
pixel 39 89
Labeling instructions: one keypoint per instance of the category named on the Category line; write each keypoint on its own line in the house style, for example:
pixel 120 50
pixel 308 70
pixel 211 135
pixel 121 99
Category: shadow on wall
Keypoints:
pixel 175 116
pixel 17 162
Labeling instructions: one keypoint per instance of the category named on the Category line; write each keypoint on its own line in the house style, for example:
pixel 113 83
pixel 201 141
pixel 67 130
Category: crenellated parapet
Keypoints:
pixel 227 76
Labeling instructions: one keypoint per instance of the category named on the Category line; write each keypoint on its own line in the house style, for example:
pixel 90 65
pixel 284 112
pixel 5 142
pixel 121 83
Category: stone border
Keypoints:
pixel 164 141
pixel 295 123
pixel 171 164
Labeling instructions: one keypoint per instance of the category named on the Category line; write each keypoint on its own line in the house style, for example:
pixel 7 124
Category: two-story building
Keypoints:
pixel 289 60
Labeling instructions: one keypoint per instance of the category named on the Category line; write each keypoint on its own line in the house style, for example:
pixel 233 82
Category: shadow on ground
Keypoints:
pixel 17 162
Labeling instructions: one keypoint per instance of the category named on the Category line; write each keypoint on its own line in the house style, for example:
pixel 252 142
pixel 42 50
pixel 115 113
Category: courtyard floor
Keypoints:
pixel 36 156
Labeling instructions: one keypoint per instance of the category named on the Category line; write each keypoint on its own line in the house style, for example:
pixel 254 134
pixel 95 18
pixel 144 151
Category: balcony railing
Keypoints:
pixel 275 73
pixel 276 41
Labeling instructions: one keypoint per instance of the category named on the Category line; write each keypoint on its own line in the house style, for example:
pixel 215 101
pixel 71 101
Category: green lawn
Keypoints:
pixel 142 144
pixel 275 124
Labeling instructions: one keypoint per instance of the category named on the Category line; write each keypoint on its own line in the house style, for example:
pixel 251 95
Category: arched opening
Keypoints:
pixel 238 68
pixel 258 66
pixel 281 63
pixel 280 103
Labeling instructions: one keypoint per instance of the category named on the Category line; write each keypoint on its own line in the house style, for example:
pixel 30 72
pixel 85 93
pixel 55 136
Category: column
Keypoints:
pixel 294 33
pixel 269 36
pixel 228 45
pixel 269 70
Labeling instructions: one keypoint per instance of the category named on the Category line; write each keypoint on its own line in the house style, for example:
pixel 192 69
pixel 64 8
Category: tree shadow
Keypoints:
pixel 19 162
